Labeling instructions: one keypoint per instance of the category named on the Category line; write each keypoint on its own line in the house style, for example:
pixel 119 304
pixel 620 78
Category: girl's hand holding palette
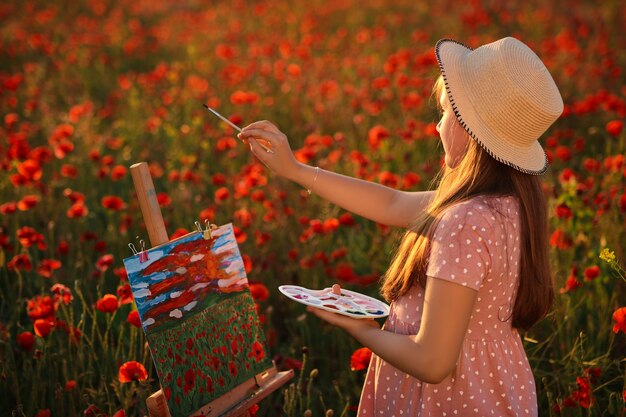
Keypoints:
pixel 348 303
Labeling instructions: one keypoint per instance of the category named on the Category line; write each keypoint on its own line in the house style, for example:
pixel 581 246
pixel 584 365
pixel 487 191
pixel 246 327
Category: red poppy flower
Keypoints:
pixel 207 214
pixel 121 273
pixel 63 247
pixel 40 307
pixel 133 318
pixel 62 131
pixel 30 169
pixel 104 262
pixel 252 411
pixel 346 219
pixel 27 202
pixel 26 340
pixel 563 211
pixel 614 127
pixel 316 226
pixel 107 304
pixel 10 119
pixel 344 272
pixel 570 284
pixel 132 371
pixel 27 236
pixel 225 143
pixel 339 253
pixel 41 154
pixel 100 246
pixel 376 135
pixel 218 179
pixel 240 235
pixel 583 394
pixel 360 359
pixel 262 238
pixel 409 180
pixel 567 175
pixel 592 272
pixel 62 148
pixel 178 233
pixel 63 293
pixel 43 327
pixel 68 171
pixel 190 380
pixel 118 172
pixel 330 225
pixel 46 267
pixel 43 413
pixel 18 180
pixel 163 199
pixel 125 294
pixel 8 208
pixel 173 176
pixel 224 51
pixel 119 413
pixel 258 351
pixel 232 368
pixel 247 263
pixel 70 385
pixel 189 343
pixel 77 210
pixel 563 153
pixel 92 411
pixel 20 263
pixel 259 291
pixel 112 202
pixel 257 195
pixel 74 196
pixel 221 194
pixel 243 97
pixel 559 239
pixel 619 316
pixel 5 243
pixel 243 217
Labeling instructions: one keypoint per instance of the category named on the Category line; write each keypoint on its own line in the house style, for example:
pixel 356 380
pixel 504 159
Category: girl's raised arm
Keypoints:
pixel 368 199
pixel 373 201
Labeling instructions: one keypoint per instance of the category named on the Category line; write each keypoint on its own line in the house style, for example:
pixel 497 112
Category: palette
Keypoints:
pixel 348 303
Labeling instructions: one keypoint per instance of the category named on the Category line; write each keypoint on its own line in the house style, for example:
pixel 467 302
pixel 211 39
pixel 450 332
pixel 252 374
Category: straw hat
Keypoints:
pixel 504 97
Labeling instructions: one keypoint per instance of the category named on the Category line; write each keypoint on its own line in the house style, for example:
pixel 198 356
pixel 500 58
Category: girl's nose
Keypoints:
pixel 438 128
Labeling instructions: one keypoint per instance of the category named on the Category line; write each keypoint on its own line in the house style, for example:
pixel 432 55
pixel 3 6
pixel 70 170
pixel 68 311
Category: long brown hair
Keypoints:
pixel 478 173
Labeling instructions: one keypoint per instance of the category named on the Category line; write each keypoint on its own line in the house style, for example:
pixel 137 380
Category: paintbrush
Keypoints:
pixel 234 126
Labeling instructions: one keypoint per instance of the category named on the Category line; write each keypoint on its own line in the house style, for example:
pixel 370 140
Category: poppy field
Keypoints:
pixel 90 87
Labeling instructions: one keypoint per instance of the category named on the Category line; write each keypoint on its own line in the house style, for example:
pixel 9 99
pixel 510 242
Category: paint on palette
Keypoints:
pixel 349 303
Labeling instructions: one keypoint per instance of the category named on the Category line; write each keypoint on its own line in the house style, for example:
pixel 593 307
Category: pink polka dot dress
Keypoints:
pixel 477 245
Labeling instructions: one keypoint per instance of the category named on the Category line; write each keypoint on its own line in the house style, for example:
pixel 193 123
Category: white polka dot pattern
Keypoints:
pixel 459 251
pixel 492 376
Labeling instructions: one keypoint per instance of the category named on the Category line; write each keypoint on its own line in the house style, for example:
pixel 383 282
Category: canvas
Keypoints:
pixel 199 317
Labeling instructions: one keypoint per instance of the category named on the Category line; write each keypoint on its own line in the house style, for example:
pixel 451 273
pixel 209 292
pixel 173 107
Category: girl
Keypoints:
pixel 473 266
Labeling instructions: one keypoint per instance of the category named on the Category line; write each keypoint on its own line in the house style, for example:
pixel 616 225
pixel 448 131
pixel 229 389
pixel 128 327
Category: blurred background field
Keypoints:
pixel 88 88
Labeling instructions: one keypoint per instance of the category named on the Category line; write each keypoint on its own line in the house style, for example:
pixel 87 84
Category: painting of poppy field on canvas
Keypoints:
pixel 199 317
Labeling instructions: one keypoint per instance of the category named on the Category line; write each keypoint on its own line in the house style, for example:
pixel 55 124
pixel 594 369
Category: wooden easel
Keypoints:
pixel 238 401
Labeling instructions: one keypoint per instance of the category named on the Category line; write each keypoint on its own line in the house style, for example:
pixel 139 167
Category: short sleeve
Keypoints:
pixel 459 250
